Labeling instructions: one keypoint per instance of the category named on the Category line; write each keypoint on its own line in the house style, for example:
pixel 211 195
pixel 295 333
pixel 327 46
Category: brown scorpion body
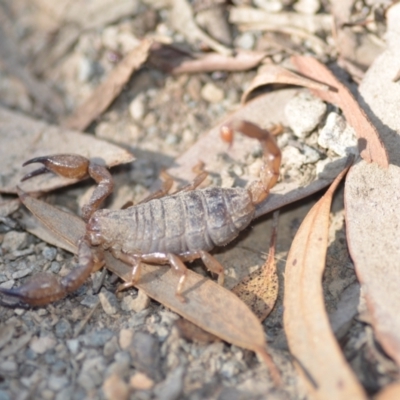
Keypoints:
pixel 164 229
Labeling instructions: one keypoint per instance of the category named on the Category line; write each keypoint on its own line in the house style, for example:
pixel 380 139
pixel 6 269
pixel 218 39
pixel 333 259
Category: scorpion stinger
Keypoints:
pixel 269 174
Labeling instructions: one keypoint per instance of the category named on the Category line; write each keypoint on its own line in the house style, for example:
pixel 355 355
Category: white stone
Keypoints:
pixel 304 112
pixel 338 136
pixel 212 93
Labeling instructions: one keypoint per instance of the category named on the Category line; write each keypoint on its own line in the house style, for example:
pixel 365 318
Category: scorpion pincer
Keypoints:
pixel 164 229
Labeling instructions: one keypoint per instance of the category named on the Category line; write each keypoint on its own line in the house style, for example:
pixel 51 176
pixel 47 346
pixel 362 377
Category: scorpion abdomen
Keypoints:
pixel 184 222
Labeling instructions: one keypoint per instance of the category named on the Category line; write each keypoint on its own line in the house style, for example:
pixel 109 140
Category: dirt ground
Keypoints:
pixel 100 344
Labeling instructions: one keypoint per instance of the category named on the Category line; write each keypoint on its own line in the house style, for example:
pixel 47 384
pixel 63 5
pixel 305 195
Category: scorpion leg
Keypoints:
pixel 77 167
pixel 45 288
pixel 199 178
pixel 213 265
pixel 269 174
pixel 136 264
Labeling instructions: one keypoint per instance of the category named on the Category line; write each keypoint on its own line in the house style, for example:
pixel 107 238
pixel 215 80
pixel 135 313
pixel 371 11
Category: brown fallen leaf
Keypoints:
pixel 276 74
pixel 371 200
pixel 104 95
pixel 183 21
pixel 206 302
pixel 370 144
pixel 260 289
pixel 22 138
pixel 390 392
pixel 43 94
pixel 311 340
pixel 176 61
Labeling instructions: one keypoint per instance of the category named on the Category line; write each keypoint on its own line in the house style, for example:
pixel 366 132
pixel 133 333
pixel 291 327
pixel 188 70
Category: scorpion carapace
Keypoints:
pixel 166 229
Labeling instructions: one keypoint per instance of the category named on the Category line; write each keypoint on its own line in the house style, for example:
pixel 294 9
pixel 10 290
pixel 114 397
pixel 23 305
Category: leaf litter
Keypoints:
pixel 211 149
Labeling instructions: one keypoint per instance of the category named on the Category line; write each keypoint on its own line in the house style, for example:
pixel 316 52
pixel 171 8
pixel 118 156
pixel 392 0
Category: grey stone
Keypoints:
pixel 13 241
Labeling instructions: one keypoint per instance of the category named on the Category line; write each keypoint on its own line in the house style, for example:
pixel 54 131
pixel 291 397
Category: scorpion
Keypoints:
pixel 163 229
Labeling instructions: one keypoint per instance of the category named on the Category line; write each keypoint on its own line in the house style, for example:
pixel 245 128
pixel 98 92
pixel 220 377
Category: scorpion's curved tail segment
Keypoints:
pixel 76 167
pixel 269 174
pixel 45 288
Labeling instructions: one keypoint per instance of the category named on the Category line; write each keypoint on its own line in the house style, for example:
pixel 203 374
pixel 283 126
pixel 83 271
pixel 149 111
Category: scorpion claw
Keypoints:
pixel 65 165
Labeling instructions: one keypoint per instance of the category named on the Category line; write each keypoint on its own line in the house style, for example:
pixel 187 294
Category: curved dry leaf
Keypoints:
pixel 372 203
pixel 370 144
pixel 276 74
pixel 182 20
pixel 259 290
pixel 106 92
pixel 206 302
pixel 373 220
pixel 390 392
pixel 22 138
pixel 176 61
pixel 310 338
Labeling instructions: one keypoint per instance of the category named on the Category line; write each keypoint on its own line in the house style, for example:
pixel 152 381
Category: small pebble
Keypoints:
pixel 171 388
pixel 125 338
pixel 97 338
pixel 49 253
pixel 13 241
pixel 8 366
pixel 138 304
pixel 41 344
pixel 245 41
pixel 21 273
pixel 338 136
pixel 63 328
pixel 109 302
pixel 304 112
pixel 114 387
pixel 85 70
pixel 137 107
pixel 212 93
pixel 56 383
pixel 269 5
pixel 141 381
pixel 111 347
pixel 73 345
pixel 307 6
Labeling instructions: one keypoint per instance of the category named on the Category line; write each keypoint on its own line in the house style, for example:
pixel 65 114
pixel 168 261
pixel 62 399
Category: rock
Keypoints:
pixel 125 338
pixel 73 345
pixel 245 41
pixel 63 328
pixel 307 6
pixel 140 381
pixel 269 5
pixel 212 93
pixel 13 241
pixel 304 112
pixel 137 107
pixel 109 302
pixel 97 338
pixel 145 353
pixel 56 383
pixel 138 304
pixel 49 253
pixel 338 136
pixel 115 388
pixel 171 388
pixel 41 344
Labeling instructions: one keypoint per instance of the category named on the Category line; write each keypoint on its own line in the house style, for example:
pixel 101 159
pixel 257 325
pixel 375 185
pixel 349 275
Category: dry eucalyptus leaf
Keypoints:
pixel 311 340
pixel 260 289
pixel 183 21
pixel 43 94
pixel 369 141
pixel 372 199
pixel 22 138
pixel 106 92
pixel 275 74
pixel 176 61
pixel 206 302
pixel 390 392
